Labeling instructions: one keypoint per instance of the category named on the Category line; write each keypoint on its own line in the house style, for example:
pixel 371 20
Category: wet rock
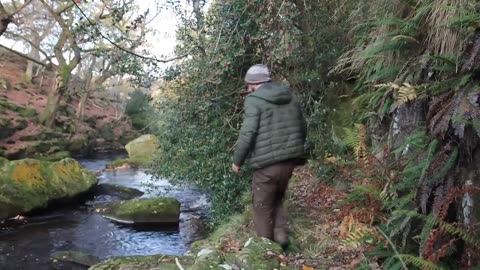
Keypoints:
pixel 79 144
pixel 257 255
pixel 157 262
pixel 121 192
pixel 142 148
pixel 193 229
pixel 76 257
pixel 144 211
pixel 141 151
pixel 124 164
pixel 29 184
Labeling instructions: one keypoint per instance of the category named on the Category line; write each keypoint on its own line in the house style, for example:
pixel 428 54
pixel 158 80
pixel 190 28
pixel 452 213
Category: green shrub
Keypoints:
pixel 139 110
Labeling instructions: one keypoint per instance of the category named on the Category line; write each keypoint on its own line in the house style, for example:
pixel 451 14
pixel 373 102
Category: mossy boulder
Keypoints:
pixel 121 192
pixel 207 259
pixel 75 257
pixel 142 148
pixel 78 144
pixel 28 184
pixel 144 262
pixel 56 156
pixel 256 255
pixel 145 211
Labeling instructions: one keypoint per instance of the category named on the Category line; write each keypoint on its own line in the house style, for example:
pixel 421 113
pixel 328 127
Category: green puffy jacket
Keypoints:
pixel 273 130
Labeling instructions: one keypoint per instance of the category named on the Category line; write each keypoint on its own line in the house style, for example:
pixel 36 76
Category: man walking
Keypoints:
pixel 272 138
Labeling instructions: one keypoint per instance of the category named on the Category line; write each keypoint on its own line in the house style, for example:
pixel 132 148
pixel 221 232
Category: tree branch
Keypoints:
pixel 24 56
pixel 129 51
pixel 47 57
pixel 66 35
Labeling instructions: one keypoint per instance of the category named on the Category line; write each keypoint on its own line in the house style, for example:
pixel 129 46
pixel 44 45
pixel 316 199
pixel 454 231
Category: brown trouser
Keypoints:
pixel 268 188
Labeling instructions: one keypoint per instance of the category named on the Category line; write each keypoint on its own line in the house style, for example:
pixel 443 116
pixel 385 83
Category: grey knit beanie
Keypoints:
pixel 257 74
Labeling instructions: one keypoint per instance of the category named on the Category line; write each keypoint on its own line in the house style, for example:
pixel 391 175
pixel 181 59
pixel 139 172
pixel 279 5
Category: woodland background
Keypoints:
pixel 390 90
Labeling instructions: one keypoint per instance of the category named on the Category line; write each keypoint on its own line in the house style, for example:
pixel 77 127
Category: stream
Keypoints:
pixel 80 228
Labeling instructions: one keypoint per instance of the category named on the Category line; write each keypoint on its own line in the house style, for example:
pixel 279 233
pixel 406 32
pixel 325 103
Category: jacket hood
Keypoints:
pixel 273 92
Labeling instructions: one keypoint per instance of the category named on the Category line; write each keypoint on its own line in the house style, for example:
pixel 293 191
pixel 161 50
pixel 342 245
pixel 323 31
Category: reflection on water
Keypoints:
pixel 80 228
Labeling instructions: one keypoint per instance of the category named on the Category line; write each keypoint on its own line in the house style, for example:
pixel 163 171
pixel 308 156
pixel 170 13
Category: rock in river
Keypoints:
pixel 145 211
pixel 141 151
pixel 142 148
pixel 29 184
pixel 121 192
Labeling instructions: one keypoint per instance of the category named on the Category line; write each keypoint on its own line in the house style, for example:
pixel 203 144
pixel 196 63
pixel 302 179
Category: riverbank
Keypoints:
pixel 316 218
pixel 80 227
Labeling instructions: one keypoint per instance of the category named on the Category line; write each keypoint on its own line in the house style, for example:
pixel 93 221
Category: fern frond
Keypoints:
pixel 356 138
pixel 450 228
pixel 426 230
pixel 419 262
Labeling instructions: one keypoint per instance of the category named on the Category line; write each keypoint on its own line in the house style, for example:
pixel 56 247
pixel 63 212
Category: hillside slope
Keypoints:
pixel 21 103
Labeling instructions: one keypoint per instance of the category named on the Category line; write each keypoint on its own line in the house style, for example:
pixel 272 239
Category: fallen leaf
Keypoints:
pixel 306 267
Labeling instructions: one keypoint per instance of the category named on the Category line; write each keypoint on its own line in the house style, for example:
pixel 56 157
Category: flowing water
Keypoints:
pixel 81 228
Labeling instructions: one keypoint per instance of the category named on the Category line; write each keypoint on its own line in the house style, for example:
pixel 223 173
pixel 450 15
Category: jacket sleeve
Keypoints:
pixel 248 133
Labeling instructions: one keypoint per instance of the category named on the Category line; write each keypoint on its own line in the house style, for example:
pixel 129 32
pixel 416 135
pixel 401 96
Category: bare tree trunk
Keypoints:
pixel 62 76
pixel 82 105
pixel 35 54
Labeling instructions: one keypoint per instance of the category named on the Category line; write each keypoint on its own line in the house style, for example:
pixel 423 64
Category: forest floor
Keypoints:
pixel 320 224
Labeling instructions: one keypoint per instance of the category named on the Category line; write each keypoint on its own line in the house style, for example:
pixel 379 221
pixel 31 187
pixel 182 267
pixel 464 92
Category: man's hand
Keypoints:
pixel 235 168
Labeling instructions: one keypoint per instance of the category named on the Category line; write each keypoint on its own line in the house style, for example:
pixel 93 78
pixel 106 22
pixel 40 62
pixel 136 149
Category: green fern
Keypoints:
pixel 419 262
pixel 440 175
pixel 427 228
pixel 452 229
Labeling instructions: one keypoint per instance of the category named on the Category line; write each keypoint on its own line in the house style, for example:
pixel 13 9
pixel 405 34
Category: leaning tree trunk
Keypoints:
pixel 35 54
pixel 62 76
pixel 82 104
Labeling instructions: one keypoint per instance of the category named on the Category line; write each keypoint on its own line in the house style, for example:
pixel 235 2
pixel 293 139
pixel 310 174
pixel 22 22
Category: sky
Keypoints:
pixel 162 41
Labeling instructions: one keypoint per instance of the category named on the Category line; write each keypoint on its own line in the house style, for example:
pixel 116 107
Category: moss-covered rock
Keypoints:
pixel 145 211
pixel 28 184
pixel 56 156
pixel 78 144
pixel 142 148
pixel 256 255
pixel 75 257
pixel 144 262
pixel 207 259
pixel 121 192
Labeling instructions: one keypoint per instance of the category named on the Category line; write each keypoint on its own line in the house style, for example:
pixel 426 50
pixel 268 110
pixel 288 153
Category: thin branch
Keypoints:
pixel 23 55
pixel 129 51
pixel 394 248
pixel 47 57
pixel 66 35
